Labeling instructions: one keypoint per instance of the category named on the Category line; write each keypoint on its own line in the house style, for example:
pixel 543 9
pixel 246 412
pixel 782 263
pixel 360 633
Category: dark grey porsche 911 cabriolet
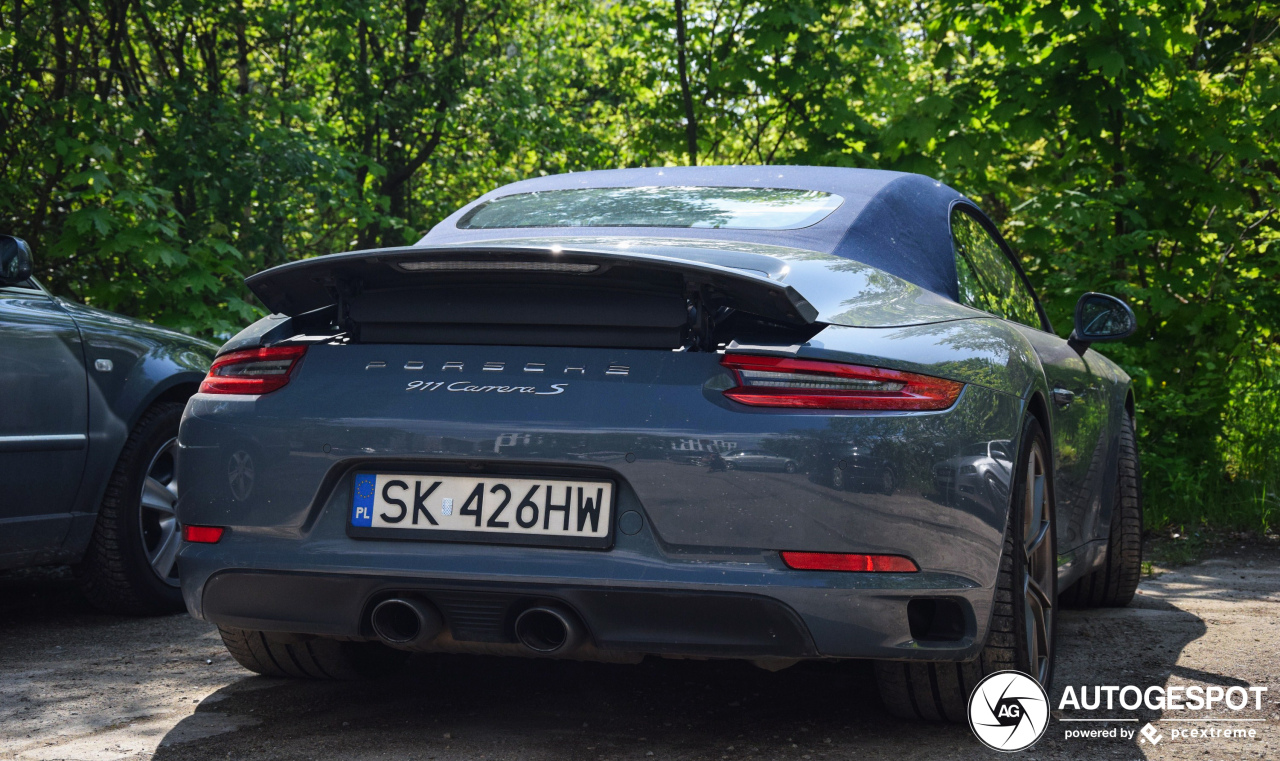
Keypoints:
pixel 518 436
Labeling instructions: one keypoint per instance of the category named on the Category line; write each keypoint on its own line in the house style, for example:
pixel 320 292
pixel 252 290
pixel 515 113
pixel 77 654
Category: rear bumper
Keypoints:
pixel 687 622
pixel 734 608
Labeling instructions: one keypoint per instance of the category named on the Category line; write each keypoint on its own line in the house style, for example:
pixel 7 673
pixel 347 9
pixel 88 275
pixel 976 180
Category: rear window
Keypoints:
pixel 727 208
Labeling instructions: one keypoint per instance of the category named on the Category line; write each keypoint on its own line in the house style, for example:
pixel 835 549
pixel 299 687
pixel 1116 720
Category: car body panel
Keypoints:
pixel 146 363
pixel 44 426
pixel 714 512
pixel 1080 436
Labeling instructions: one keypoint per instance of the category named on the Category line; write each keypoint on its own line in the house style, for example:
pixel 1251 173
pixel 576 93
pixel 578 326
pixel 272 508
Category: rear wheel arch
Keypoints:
pixel 1037 408
pixel 176 389
pixel 179 392
pixel 116 571
pixel 1115 582
pixel 939 690
pixel 113 422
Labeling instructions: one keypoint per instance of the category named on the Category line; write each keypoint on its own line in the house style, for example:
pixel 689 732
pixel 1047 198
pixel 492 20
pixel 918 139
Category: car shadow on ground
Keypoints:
pixel 38 594
pixel 467 706
pixel 473 707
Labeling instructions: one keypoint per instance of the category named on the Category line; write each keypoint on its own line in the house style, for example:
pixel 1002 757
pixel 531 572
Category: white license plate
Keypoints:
pixel 483 508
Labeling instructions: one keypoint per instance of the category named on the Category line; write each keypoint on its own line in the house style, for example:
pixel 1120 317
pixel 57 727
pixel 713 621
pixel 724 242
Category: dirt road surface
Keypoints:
pixel 75 684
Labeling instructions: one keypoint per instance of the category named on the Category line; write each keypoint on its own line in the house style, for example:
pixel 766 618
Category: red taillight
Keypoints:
pixel 202 534
pixel 812 384
pixel 253 371
pixel 839 561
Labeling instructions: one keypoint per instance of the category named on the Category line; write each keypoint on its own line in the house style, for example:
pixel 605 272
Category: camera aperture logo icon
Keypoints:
pixel 1008 711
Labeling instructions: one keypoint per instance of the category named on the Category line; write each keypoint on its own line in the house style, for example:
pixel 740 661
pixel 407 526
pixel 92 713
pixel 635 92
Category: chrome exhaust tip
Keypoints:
pixel 406 621
pixel 549 630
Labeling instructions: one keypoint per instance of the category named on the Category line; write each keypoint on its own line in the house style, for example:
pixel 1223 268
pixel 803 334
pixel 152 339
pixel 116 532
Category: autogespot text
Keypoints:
pixel 1173 698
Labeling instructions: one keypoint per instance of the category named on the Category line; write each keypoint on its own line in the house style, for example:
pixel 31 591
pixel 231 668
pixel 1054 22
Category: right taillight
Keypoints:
pixel 812 384
pixel 252 371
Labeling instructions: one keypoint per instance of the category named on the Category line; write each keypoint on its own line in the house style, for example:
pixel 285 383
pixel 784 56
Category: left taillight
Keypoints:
pixel 252 371
pixel 813 384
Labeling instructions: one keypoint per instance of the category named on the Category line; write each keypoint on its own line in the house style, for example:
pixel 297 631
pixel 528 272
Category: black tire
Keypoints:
pixel 304 657
pixel 1113 585
pixel 115 574
pixel 939 691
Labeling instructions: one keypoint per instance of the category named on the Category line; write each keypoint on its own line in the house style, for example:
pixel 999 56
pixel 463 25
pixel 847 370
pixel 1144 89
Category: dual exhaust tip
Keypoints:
pixel 543 629
pixel 406 621
pixel 549 630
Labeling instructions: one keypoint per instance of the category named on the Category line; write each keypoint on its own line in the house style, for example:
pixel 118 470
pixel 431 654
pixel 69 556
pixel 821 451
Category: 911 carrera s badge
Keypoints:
pixel 476 388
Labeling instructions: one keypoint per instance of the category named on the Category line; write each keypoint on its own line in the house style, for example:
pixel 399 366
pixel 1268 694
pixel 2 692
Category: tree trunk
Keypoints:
pixel 682 62
pixel 242 51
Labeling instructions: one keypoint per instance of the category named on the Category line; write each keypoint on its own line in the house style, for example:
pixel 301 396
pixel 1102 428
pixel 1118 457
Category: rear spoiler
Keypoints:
pixel 311 284
pixel 624 292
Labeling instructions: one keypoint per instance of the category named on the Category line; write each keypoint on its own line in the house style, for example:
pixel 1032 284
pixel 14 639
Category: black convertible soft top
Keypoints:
pixel 893 221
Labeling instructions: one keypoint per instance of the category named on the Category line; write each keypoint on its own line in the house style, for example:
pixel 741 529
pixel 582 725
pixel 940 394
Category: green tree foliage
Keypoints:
pixel 1131 147
pixel 156 151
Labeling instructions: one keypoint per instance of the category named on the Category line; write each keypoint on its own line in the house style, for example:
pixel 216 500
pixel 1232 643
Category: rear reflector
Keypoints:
pixel 253 371
pixel 836 561
pixel 813 384
pixel 202 534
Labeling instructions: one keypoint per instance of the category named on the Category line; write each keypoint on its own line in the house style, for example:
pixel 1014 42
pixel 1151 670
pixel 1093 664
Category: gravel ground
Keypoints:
pixel 75 684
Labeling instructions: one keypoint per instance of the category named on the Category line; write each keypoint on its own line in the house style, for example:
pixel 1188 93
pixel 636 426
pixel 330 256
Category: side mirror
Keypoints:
pixel 1100 317
pixel 15 260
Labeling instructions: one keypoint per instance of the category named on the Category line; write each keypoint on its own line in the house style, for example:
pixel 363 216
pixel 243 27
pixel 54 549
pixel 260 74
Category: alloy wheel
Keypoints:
pixel 158 515
pixel 1039 566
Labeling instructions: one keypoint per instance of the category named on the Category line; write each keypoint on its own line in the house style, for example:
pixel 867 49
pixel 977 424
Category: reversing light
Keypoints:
pixel 499 266
pixel 202 534
pixel 814 384
pixel 840 561
pixel 252 371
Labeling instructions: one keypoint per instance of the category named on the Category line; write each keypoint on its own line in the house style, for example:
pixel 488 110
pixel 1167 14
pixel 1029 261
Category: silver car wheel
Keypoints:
pixel 157 516
pixel 1039 567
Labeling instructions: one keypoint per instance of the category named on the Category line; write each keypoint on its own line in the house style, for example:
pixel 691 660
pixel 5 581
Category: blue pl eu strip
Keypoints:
pixel 362 503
